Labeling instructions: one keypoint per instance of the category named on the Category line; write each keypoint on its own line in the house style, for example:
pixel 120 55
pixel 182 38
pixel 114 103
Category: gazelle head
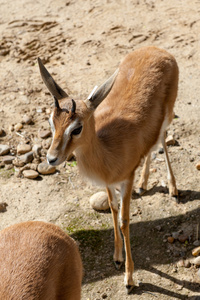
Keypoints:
pixel 69 120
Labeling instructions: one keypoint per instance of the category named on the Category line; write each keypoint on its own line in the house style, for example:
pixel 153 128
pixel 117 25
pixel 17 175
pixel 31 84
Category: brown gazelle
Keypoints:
pixel 114 128
pixel 39 261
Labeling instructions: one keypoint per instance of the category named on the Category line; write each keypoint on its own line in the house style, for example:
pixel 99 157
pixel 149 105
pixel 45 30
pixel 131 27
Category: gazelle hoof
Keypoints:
pixel 141 191
pixel 176 198
pixel 118 264
pixel 129 289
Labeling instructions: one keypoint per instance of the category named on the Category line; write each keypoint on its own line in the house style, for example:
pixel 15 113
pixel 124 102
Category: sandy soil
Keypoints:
pixel 82 43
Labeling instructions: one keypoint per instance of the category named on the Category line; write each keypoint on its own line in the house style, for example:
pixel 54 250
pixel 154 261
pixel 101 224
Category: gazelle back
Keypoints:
pixel 39 261
pixel 118 125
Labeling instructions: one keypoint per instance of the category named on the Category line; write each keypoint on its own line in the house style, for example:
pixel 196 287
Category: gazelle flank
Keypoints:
pixel 118 125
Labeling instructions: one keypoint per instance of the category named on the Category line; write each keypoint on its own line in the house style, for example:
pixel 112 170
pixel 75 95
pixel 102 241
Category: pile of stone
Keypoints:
pixel 27 158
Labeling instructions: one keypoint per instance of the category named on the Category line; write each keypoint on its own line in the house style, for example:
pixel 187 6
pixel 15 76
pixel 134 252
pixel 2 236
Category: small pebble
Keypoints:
pixel 18 126
pixel 196 251
pixel 175 235
pixel 45 169
pixel 11 128
pixel 23 148
pixel 30 174
pixel 27 119
pixel 196 243
pixel 170 141
pixel 44 133
pixel 196 261
pixel 99 201
pixel 153 170
pixel 180 263
pixel 4 149
pixel 8 159
pixel 3 206
pixel 37 149
pixel 170 239
pixel 187 263
pixel 159 228
pixel 104 296
pixel 46 144
pixel 198 165
pixel 182 238
pixel 18 163
pixel 27 157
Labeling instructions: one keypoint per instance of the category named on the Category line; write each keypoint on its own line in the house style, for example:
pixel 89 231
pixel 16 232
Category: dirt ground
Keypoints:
pixel 82 43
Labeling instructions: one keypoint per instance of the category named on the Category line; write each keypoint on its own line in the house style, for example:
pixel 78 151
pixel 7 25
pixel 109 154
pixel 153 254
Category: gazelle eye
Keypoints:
pixel 77 130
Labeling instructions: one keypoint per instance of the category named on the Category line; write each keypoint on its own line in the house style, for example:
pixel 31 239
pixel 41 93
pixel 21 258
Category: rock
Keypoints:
pixel 37 149
pixel 46 144
pixel 182 238
pixel 3 206
pixel 11 128
pixel 170 239
pixel 104 296
pixel 30 174
pixel 18 163
pixel 34 167
pixel 196 243
pixel 4 149
pixel 159 228
pixel 99 201
pixel 45 169
pixel 1 131
pixel 170 141
pixel 196 261
pixel 196 251
pixel 44 133
pixel 8 159
pixel 187 263
pixel 153 170
pixel 26 158
pixel 175 235
pixel 18 126
pixel 180 263
pixel 198 165
pixel 23 148
pixel 27 119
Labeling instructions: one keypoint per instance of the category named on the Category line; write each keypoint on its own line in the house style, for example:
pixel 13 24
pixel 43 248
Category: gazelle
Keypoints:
pixel 114 128
pixel 39 261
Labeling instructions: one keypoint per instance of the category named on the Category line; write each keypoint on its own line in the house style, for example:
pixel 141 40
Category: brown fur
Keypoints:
pixel 121 131
pixel 39 261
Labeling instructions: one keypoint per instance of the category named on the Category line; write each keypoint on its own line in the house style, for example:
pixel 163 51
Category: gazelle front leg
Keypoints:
pixel 126 190
pixel 145 174
pixel 118 257
pixel 171 179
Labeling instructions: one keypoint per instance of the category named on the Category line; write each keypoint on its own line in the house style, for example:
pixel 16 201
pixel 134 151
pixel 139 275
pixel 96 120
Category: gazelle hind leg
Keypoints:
pixel 126 190
pixel 145 175
pixel 117 257
pixel 171 179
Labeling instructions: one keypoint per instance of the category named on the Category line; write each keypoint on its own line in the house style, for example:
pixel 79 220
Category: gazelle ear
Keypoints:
pixel 50 83
pixel 99 94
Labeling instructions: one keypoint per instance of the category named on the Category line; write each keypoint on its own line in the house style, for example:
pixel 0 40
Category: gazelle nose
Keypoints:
pixel 51 160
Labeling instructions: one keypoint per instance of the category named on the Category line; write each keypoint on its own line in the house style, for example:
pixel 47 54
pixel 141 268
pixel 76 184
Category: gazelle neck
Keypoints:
pixel 92 156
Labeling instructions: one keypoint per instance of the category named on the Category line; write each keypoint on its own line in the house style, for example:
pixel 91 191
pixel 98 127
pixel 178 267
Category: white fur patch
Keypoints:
pixel 52 124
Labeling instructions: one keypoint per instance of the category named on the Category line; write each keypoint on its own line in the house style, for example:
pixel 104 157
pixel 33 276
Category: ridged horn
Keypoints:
pixel 73 110
pixel 50 83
